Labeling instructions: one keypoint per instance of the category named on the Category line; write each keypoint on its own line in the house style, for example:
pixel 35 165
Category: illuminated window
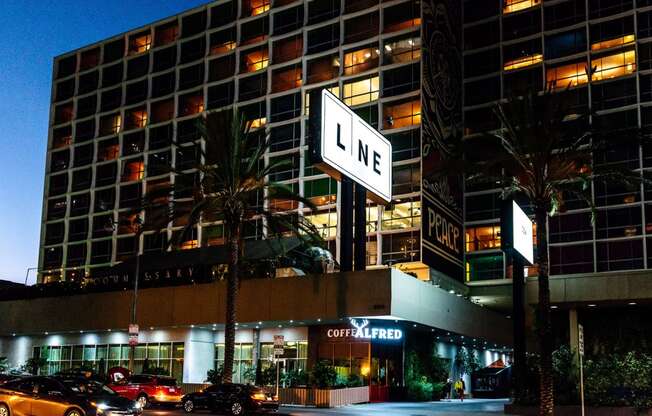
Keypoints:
pixel 133 170
pixel 286 78
pixel 325 222
pixel 361 92
pixel 613 66
pixel 213 235
pixel 523 62
pixel 110 124
pixel 136 118
pixel 255 60
pixel 321 191
pixel 482 238
pixel 140 43
pixel 360 60
pixel 258 123
pixel 569 75
pixel 335 90
pixel 166 34
pixel 610 43
pixel 402 50
pixel 511 6
pixel 223 47
pixel 191 104
pixel 189 244
pixel 256 7
pixel 402 215
pixel 403 114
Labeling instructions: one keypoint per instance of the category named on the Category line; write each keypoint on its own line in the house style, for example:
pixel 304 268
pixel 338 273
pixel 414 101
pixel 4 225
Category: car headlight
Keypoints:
pixel 138 405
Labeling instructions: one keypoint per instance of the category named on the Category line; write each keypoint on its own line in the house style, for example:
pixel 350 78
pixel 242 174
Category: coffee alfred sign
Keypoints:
pixel 363 330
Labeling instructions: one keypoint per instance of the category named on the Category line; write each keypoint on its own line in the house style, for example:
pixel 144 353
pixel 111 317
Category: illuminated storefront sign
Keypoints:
pixel 362 330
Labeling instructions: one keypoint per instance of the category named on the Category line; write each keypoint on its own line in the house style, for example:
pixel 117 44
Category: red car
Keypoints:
pixel 149 389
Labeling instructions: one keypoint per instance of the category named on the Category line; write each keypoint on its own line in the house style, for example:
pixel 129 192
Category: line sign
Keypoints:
pixel 344 144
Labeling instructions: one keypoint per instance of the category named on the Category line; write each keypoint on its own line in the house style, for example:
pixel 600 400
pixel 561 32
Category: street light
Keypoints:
pixel 136 223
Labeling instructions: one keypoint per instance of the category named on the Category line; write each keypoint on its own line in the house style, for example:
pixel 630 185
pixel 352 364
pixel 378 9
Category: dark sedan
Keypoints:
pixel 233 399
pixel 53 396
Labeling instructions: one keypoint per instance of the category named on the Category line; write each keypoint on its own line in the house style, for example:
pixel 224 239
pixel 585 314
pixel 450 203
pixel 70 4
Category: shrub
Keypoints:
pixel 294 378
pixel 419 390
pixel 324 375
pixel 215 376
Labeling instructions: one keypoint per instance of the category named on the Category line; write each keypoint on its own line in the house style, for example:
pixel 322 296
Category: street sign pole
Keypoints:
pixel 360 250
pixel 279 350
pixel 580 333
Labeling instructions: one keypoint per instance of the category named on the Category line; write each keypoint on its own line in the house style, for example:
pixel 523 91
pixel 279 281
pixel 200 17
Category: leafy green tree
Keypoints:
pixel 546 152
pixel 324 374
pixel 4 364
pixel 231 184
pixel 215 376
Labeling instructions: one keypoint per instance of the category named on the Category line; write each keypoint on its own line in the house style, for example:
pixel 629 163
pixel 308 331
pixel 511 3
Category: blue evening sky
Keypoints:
pixel 32 33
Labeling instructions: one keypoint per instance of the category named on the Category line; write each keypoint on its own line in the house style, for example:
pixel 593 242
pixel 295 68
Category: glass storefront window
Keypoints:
pixel 325 222
pixel 361 92
pixel 402 215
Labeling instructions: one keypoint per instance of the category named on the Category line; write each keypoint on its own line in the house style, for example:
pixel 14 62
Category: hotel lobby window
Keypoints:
pixel 361 92
pixel 401 247
pixel 361 60
pixel 401 215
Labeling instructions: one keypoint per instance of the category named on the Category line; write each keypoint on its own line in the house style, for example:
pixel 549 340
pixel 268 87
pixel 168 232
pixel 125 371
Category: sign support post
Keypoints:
pixel 360 250
pixel 279 350
pixel 346 225
pixel 580 333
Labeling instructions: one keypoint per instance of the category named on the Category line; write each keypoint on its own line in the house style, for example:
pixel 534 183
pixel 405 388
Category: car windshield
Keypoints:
pixel 167 382
pixel 88 387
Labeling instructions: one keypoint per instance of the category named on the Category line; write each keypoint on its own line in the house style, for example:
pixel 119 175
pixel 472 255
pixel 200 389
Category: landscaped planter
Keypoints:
pixel 306 396
pixel 575 410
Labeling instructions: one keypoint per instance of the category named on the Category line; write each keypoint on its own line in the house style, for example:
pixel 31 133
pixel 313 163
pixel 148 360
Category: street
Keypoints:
pixel 472 407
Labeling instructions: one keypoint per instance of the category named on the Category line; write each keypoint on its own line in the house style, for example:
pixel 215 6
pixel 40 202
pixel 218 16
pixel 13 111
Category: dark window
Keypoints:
pixel 482 63
pixel 58 184
pixel 319 11
pixel 368 114
pixel 602 8
pixel 101 252
pixel 645 56
pixel 66 66
pixel 222 41
pixel 619 255
pixel 111 99
pixel 86 106
pixel 57 209
pixel 220 95
pixel 621 222
pixel 352 6
pixel 63 113
pixel 285 137
pixel 106 174
pixel 479 92
pixel 285 107
pixel 223 14
pixel 252 87
pixel 54 233
pixel 518 25
pixel 323 68
pixel 571 259
pixel 104 200
pixel 158 163
pixel 405 145
pixel 483 207
pixel 166 33
pixel 78 229
pixel 402 16
pixel 406 179
pixel 114 50
pixel 138 67
pixel 59 160
pixel 288 20
pixel 479 36
pixel 254 111
pixel 644 24
pixel 566 13
pixel 61 137
pixel 130 195
pixel 83 155
pixel 165 58
pixel 571 227
pixel 187 157
pixel 125 248
pixel 88 82
pixel 65 90
pixel 155 242
pixel 81 179
pixel 161 136
pixel 323 38
pixel 475 10
pixel 79 204
pixel 612 29
pixel 286 171
pixel 102 225
pixel 401 80
pixel 187 131
pixel 614 94
pixel 485 267
pixel 221 68
pixel 193 24
pixel 565 43
pixel 164 84
pixel 76 255
pixel 191 76
pixel 136 92
pixel 286 78
pixel 254 31
pixel 521 82
pixel 134 143
pixel 53 258
pixel 361 27
pixel 112 75
pixel 193 50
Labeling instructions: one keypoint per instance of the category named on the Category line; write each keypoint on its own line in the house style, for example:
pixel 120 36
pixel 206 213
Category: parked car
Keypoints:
pixel 53 396
pixel 6 377
pixel 149 389
pixel 233 399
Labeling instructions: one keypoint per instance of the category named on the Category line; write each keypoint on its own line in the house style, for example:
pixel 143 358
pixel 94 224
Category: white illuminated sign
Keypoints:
pixel 362 330
pixel 522 233
pixel 351 147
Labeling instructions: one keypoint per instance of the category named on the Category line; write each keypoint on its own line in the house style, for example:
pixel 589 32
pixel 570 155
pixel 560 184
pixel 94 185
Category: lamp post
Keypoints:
pixel 137 223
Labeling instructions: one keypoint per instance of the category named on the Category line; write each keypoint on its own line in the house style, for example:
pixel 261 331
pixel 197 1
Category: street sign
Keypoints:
pixel 133 329
pixel 580 336
pixel 517 235
pixel 133 335
pixel 343 144
pixel 279 345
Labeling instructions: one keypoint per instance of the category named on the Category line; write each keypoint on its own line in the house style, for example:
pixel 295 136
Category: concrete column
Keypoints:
pixel 199 356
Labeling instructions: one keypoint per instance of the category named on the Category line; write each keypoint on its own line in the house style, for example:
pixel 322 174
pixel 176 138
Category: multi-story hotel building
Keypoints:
pixel 125 109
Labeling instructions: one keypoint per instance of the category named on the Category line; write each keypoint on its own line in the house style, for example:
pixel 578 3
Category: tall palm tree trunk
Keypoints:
pixel 546 394
pixel 231 296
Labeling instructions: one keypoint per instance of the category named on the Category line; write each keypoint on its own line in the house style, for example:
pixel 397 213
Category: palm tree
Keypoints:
pixel 546 150
pixel 231 184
